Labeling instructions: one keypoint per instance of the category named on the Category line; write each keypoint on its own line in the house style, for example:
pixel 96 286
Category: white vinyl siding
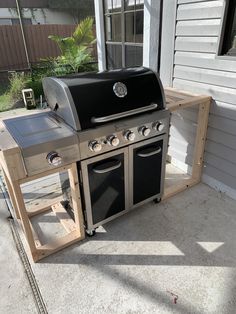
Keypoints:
pixel 197 68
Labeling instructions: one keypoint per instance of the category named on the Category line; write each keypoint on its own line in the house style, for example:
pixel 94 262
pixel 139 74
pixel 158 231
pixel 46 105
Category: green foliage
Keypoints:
pixel 5 102
pixel 17 83
pixel 83 34
pixel 75 50
pixel 9 96
pixel 36 85
pixel 75 57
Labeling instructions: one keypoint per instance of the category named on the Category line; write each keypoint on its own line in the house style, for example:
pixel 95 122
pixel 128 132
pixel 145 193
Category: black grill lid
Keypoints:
pixel 89 99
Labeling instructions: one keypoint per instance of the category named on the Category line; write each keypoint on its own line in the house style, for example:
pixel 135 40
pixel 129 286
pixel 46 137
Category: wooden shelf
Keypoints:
pixel 26 213
pixel 177 100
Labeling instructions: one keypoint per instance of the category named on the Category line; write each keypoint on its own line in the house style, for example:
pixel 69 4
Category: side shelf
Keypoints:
pixel 177 100
pixel 74 228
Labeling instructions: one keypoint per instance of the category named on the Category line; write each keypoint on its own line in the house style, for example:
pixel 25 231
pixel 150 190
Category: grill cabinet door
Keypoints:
pixel 106 188
pixel 147 170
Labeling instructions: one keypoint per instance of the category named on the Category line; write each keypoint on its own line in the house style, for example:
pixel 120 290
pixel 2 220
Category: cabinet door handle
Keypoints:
pixel 102 169
pixel 155 152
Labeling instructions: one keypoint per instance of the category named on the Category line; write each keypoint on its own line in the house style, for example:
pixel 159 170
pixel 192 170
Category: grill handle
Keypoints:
pixel 104 169
pixel 154 152
pixel 123 114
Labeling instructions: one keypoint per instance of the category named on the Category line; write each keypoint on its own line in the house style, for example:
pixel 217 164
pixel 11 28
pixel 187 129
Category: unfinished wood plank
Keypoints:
pixel 175 96
pixel 200 140
pixel 35 236
pixel 42 193
pixel 42 206
pixel 38 211
pixel 57 245
pixel 75 229
pixel 64 218
pixel 23 215
pixel 180 187
pixel 10 155
pixel 187 103
pixel 172 98
pixel 76 201
pixel 11 195
pixel 13 165
pixel 203 102
pixel 7 144
pixel 178 92
pixel 47 173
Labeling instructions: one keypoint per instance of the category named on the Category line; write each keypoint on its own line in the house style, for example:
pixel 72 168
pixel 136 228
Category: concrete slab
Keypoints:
pixel 185 246
pixel 16 295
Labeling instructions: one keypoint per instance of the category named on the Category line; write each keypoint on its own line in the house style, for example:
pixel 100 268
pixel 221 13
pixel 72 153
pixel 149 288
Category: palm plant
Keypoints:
pixel 76 50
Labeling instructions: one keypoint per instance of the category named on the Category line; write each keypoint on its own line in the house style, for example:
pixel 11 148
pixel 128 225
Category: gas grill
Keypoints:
pixel 114 125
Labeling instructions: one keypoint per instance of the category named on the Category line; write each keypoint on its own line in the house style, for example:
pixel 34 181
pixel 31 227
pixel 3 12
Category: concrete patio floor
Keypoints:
pixel 184 246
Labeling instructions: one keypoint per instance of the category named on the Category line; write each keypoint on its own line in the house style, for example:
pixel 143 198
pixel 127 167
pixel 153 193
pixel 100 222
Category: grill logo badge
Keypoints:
pixel 120 89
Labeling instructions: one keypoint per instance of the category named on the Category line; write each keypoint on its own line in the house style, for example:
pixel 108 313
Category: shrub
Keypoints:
pixel 76 50
pixel 17 83
pixel 36 85
pixel 5 102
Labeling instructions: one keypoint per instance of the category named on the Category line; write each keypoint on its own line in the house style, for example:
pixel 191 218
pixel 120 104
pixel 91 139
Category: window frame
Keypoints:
pixel 226 22
pixel 121 43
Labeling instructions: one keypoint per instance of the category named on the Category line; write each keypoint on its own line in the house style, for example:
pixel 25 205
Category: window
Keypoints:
pixel 124 33
pixel 229 36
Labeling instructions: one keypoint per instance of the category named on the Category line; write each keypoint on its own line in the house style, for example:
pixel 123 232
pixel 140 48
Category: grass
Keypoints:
pixel 5 99
pixel 5 102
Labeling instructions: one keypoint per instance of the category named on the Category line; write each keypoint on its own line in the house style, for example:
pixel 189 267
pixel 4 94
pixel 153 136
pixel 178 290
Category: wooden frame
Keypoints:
pixel 74 228
pixel 15 175
pixel 177 100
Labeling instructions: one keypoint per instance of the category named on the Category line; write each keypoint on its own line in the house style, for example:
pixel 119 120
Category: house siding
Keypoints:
pixel 197 68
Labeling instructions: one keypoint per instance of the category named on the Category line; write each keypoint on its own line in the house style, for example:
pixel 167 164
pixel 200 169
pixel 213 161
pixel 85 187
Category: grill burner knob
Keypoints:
pixel 158 126
pixel 129 135
pixel 54 159
pixel 95 146
pixel 145 131
pixel 113 140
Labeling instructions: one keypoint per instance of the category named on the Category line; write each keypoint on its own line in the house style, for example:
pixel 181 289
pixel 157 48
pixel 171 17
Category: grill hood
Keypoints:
pixel 90 99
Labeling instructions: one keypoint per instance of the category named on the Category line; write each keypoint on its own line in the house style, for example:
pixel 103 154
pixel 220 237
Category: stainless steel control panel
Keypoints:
pixel 104 139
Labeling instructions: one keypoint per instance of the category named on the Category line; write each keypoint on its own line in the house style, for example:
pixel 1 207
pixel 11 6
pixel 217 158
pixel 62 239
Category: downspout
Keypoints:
pixel 23 34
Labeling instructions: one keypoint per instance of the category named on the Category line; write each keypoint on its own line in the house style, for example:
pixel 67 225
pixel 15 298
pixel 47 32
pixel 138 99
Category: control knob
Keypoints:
pixel 129 135
pixel 54 159
pixel 144 130
pixel 158 126
pixel 95 146
pixel 113 140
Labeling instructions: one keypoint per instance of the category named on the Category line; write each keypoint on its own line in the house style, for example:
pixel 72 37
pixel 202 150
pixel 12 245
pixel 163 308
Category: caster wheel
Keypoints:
pixel 157 200
pixel 91 233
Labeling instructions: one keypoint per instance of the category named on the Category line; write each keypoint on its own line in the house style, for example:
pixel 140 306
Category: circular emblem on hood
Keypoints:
pixel 120 89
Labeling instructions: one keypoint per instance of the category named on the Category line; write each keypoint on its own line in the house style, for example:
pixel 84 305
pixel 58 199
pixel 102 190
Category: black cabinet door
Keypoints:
pixel 107 187
pixel 147 168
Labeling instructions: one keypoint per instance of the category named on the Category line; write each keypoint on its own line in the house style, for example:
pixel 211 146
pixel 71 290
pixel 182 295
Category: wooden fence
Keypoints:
pixel 12 52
